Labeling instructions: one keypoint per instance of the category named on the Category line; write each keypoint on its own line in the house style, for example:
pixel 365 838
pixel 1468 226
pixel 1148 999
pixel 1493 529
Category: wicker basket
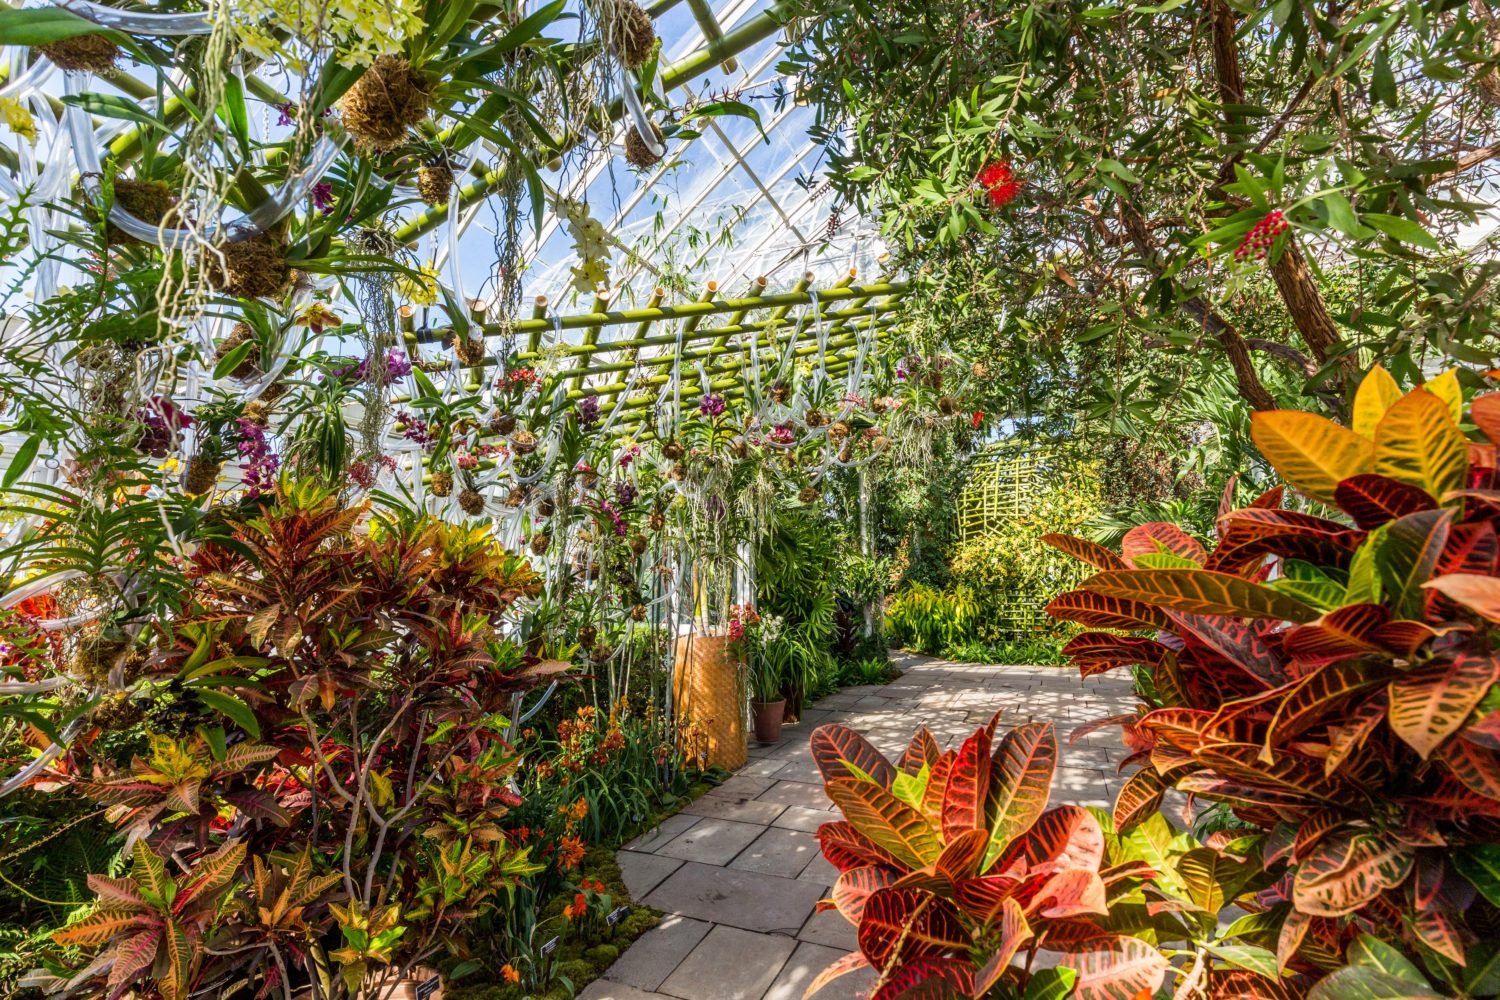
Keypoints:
pixel 708 691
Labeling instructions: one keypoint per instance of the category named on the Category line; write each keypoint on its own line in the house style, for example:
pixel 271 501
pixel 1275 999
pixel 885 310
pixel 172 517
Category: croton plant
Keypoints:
pixel 956 873
pixel 1328 674
pixel 318 806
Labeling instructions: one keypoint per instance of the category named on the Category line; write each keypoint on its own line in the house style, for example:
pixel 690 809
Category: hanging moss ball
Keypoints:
pixel 435 183
pixel 389 99
pixel 470 350
pixel 249 269
pixel 441 484
pixel 85 53
pixel 202 475
pixel 947 406
pixel 632 34
pixel 637 153
pixel 471 501
pixel 524 442
pixel 152 202
pixel 539 543
pixel 808 494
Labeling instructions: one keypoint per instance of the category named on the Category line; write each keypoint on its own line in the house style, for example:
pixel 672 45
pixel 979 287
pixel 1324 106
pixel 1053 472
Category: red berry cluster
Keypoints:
pixel 1261 235
pixel 999 183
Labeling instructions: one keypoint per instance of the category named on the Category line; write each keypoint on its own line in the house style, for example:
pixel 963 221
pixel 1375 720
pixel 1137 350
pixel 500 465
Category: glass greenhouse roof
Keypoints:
pixel 739 201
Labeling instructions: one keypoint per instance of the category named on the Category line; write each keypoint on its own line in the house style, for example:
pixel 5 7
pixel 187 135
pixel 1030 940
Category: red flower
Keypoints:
pixel 1262 236
pixel 977 419
pixel 999 183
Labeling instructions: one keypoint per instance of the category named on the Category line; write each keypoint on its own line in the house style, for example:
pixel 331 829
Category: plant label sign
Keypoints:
pixel 617 914
pixel 428 988
pixel 549 947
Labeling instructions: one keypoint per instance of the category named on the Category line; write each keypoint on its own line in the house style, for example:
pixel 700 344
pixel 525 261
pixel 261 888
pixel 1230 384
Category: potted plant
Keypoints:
pixel 751 640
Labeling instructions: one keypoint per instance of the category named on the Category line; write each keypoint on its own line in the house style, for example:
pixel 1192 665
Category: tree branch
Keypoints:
pixel 1246 378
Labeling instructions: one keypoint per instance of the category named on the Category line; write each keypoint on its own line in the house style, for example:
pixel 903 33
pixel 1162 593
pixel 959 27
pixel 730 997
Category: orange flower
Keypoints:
pixel 577 908
pixel 570 852
pixel 509 974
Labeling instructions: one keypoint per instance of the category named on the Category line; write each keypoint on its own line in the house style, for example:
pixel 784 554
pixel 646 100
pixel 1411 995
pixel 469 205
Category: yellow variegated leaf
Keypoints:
pixel 1312 453
pixel 1377 393
pixel 1446 388
pixel 1417 442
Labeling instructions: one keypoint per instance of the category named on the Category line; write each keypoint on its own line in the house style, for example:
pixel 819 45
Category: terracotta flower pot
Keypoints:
pixel 768 716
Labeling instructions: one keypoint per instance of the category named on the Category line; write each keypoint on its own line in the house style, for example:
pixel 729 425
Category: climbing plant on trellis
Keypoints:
pixel 1016 492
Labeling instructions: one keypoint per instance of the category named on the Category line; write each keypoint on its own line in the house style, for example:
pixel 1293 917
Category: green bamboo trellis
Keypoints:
pixel 601 366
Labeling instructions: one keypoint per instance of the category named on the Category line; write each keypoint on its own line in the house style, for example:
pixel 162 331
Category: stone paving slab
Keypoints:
pixel 738 871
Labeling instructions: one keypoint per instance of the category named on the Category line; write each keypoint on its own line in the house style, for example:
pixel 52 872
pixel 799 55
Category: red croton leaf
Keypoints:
pixel 1160 536
pixel 846 848
pixel 968 787
pixel 1072 892
pixel 1480 594
pixel 922 923
pixel 836 747
pixel 1064 837
pixel 1084 550
pixel 1019 784
pixel 1484 410
pixel 1139 798
pixel 928 978
pixel 1429 704
pixel 852 962
pixel 1248 536
pixel 1096 652
pixel 1098 611
pixel 1325 692
pixel 855 886
pixel 1477 767
pixel 923 750
pixel 1373 500
pixel 890 823
pixel 1349 869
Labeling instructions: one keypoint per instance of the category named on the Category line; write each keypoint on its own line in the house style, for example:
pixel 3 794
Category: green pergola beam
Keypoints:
pixel 685 310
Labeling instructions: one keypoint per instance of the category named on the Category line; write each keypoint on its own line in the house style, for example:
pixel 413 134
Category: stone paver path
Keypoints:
pixel 738 872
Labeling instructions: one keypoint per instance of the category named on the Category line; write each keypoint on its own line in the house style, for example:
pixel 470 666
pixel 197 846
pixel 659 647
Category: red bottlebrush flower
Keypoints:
pixel 1262 236
pixel 976 419
pixel 999 183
